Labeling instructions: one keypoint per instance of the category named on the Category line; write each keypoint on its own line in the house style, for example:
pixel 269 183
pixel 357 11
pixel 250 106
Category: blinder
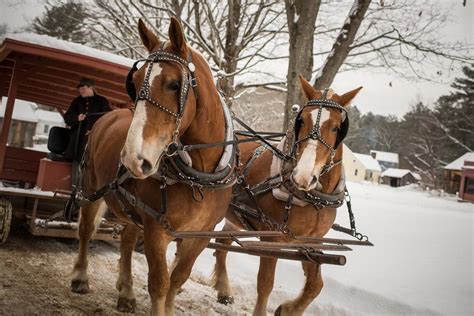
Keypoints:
pixel 129 84
pixel 322 102
pixel 342 133
pixel 187 79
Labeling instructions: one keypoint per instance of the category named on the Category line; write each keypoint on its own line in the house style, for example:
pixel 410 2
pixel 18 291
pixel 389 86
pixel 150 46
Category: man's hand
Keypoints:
pixel 81 117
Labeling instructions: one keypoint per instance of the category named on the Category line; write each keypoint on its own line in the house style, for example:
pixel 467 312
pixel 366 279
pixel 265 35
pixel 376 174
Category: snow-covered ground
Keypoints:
pixel 422 262
pixel 421 265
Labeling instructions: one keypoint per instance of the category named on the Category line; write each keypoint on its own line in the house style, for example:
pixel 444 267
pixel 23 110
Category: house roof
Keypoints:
pixel 458 163
pixel 368 162
pixel 49 116
pixel 395 173
pixel 385 156
pixel 22 111
pixel 48 70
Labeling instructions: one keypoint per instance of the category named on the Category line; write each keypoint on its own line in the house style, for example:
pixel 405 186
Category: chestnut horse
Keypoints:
pixel 317 168
pixel 177 103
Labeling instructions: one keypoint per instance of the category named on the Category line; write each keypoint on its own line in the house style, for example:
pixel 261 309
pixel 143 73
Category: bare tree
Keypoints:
pixel 243 36
pixel 402 36
pixel 234 35
pixel 301 18
pixel 341 46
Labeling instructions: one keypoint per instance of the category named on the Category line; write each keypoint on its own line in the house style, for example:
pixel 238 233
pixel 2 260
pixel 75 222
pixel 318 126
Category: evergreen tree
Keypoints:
pixel 419 144
pixel 64 21
pixel 455 116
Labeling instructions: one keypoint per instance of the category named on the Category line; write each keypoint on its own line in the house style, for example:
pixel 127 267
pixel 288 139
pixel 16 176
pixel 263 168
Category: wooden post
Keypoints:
pixel 7 118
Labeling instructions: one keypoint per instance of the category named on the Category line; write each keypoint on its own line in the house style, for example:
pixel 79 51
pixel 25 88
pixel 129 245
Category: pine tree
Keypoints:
pixel 419 144
pixel 64 21
pixel 454 114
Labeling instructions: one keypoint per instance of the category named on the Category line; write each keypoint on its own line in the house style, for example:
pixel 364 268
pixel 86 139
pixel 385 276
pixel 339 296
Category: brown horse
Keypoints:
pixel 177 101
pixel 310 172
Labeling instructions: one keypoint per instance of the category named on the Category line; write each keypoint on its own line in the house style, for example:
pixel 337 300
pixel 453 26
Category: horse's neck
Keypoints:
pixel 207 127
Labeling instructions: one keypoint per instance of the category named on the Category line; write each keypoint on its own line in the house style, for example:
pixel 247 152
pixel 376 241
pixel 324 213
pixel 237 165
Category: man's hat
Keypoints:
pixel 86 82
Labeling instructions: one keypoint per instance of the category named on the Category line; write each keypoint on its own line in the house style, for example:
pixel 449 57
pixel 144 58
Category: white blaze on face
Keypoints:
pixel 307 169
pixel 135 146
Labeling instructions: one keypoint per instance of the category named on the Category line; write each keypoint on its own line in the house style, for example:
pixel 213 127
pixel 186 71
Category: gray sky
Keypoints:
pixel 377 95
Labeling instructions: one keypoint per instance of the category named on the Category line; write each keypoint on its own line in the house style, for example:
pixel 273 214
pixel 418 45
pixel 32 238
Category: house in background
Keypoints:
pixel 30 125
pixel 24 123
pixel 453 173
pixel 466 191
pixel 399 177
pixel 46 120
pixel 385 159
pixel 360 167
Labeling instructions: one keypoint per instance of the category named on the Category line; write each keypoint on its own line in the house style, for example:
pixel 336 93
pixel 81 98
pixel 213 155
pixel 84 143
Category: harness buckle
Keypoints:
pixel 171 150
pixel 193 82
pixel 347 197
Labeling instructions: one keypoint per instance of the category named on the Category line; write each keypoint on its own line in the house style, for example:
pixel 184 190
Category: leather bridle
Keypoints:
pixel 188 80
pixel 315 133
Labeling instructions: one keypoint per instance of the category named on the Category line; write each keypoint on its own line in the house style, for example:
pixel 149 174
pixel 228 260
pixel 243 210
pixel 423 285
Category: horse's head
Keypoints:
pixel 164 106
pixel 320 128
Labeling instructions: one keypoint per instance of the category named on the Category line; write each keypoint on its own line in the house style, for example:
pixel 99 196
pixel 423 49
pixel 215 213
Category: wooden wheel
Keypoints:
pixel 5 219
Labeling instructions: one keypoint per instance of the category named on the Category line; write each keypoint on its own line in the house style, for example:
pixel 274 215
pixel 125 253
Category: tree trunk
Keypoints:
pixel 301 16
pixel 341 47
pixel 231 52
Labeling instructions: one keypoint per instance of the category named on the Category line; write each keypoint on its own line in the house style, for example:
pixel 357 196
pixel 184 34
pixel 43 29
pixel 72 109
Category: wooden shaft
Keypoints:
pixel 281 254
pixel 282 245
pixel 335 241
pixel 247 234
pixel 226 234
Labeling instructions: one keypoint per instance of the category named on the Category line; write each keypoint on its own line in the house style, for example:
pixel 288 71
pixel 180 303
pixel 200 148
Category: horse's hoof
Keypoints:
pixel 278 311
pixel 225 299
pixel 126 305
pixel 79 286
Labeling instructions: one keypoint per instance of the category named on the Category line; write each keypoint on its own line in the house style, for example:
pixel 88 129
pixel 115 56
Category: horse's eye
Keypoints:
pixel 335 129
pixel 173 86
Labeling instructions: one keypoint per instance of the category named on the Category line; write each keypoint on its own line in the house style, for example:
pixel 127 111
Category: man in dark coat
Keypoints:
pixel 83 112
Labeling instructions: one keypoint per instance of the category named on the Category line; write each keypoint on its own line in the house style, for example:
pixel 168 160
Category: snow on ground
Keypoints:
pixel 421 265
pixel 422 262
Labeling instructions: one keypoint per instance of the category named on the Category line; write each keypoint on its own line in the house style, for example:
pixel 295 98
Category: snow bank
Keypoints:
pixel 421 263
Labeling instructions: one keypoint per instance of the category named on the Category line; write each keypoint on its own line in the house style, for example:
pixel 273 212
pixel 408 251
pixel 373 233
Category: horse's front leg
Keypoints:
pixel 265 281
pixel 187 252
pixel 89 220
pixel 126 301
pixel 220 278
pixel 156 242
pixel 312 288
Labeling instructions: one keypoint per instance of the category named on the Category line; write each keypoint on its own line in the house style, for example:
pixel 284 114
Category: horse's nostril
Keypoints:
pixel 146 166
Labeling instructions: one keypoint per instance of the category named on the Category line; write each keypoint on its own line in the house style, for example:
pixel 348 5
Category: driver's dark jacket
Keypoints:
pixel 93 107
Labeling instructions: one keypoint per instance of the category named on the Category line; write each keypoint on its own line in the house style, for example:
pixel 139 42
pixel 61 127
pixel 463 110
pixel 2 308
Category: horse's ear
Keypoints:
pixel 347 97
pixel 308 90
pixel 176 35
pixel 150 40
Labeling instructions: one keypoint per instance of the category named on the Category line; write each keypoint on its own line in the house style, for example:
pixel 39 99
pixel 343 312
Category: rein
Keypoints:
pixel 245 204
pixel 173 171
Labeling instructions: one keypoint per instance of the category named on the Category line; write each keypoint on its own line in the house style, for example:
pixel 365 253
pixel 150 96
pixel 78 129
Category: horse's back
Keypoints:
pixel 106 140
